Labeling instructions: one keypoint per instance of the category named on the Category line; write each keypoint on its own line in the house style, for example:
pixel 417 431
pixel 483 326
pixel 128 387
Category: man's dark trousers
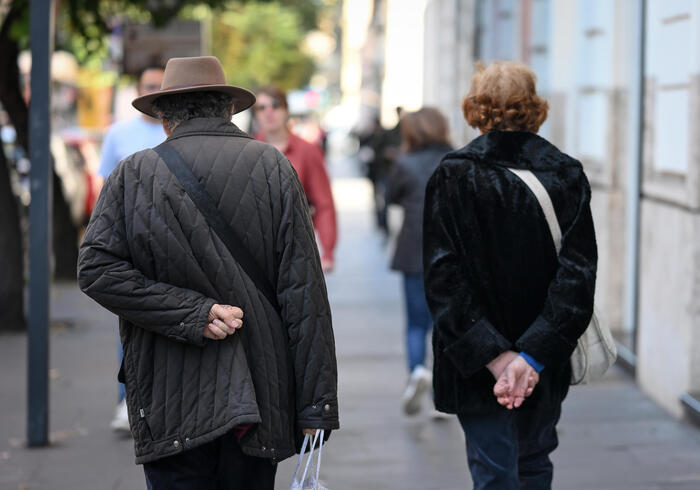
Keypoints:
pixel 509 450
pixel 217 465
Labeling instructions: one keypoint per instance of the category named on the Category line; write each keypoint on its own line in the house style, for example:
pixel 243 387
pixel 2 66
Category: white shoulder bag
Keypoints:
pixel 596 350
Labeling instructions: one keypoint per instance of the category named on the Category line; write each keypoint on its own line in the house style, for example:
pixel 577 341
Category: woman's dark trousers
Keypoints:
pixel 509 450
pixel 217 465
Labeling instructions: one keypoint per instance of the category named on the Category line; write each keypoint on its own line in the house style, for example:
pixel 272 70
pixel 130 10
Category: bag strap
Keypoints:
pixel 199 196
pixel 320 451
pixel 545 201
pixel 307 437
pixel 310 458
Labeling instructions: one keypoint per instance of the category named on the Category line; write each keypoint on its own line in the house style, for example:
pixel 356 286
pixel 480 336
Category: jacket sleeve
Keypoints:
pixel 302 296
pixel 450 239
pixel 568 308
pixel 320 196
pixel 106 274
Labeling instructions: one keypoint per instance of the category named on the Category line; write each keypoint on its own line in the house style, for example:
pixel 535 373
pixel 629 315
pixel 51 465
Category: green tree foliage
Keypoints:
pixel 259 43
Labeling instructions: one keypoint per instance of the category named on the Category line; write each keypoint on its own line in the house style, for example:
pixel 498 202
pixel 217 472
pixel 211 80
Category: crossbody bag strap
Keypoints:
pixel 545 201
pixel 199 196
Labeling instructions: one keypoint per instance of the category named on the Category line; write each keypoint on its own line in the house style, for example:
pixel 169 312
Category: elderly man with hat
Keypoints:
pixel 205 249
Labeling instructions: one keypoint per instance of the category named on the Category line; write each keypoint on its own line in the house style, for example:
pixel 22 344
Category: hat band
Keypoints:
pixel 178 87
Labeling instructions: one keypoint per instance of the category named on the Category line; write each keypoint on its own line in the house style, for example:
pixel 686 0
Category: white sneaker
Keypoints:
pixel 120 422
pixel 420 381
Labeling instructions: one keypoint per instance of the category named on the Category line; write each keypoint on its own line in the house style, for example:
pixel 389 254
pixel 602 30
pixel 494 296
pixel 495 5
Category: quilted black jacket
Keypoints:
pixel 149 256
pixel 493 279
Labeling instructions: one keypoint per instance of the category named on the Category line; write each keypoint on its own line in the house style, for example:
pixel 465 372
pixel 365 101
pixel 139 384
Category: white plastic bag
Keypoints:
pixel 302 482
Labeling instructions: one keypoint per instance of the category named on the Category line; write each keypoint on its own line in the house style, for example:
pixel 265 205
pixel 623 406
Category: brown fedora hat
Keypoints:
pixel 195 74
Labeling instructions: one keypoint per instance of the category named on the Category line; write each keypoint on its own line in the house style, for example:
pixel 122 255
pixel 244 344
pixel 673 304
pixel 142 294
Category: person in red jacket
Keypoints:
pixel 271 114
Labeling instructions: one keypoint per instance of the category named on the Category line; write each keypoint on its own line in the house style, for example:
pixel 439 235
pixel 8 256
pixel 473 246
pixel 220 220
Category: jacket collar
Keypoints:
pixel 207 126
pixel 516 149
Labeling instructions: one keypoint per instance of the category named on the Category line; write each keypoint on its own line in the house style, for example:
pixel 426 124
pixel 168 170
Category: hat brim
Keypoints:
pixel 242 98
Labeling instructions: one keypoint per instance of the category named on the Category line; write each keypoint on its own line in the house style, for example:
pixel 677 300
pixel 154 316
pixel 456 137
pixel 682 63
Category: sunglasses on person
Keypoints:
pixel 150 87
pixel 263 107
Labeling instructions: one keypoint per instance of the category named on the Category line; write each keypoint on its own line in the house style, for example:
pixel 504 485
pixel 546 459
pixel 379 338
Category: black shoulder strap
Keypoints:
pixel 195 190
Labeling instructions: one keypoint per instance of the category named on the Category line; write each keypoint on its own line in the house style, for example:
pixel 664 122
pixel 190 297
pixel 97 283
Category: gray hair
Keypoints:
pixel 175 108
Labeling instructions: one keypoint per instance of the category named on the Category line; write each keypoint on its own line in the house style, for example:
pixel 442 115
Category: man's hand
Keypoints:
pixel 309 432
pixel 223 320
pixel 515 383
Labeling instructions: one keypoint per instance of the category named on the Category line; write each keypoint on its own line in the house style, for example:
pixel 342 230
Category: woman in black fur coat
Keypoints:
pixel 507 309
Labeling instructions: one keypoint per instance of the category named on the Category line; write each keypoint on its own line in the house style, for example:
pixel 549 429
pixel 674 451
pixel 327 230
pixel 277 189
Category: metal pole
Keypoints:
pixel 634 178
pixel 41 36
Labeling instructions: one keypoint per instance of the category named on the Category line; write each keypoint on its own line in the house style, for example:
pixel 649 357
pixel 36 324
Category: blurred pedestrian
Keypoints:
pixel 507 309
pixel 122 140
pixel 393 138
pixel 388 148
pixel 425 142
pixel 309 129
pixel 185 239
pixel 371 143
pixel 272 115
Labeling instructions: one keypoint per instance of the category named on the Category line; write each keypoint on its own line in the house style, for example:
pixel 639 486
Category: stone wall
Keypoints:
pixel 666 301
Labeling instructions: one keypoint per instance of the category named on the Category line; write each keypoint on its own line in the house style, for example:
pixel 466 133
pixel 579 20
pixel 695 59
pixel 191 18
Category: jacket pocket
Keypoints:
pixel 142 427
pixel 137 409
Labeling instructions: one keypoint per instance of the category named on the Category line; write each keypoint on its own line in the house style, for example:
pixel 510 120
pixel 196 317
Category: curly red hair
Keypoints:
pixel 503 97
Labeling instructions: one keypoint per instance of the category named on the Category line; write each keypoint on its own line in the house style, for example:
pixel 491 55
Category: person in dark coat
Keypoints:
pixel 220 385
pixel 370 156
pixel 386 146
pixel 425 141
pixel 508 310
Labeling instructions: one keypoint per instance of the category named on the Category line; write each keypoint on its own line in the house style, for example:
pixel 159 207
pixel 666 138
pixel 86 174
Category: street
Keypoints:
pixel 611 436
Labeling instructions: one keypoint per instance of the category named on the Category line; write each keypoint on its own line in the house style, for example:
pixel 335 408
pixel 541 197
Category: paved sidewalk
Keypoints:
pixel 612 437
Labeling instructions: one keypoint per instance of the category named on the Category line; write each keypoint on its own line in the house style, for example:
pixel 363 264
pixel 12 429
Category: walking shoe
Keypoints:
pixel 120 422
pixel 420 381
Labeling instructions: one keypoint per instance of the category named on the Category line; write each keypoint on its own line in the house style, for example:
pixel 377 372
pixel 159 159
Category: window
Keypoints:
pixel 536 34
pixel 594 80
pixel 496 30
pixel 593 119
pixel 537 53
pixel 669 58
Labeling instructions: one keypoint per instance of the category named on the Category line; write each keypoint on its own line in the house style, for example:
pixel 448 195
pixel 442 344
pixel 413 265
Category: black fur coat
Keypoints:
pixel 493 279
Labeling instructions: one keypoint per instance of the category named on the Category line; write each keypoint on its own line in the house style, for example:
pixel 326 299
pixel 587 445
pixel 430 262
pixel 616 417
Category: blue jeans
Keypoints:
pixel 509 450
pixel 418 320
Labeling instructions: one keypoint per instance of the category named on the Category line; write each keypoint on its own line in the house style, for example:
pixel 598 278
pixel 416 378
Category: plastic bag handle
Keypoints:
pixel 301 455
pixel 310 458
pixel 320 450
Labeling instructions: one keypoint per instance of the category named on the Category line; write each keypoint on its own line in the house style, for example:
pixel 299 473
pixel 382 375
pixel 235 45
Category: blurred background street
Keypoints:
pixel 612 436
pixel 622 78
